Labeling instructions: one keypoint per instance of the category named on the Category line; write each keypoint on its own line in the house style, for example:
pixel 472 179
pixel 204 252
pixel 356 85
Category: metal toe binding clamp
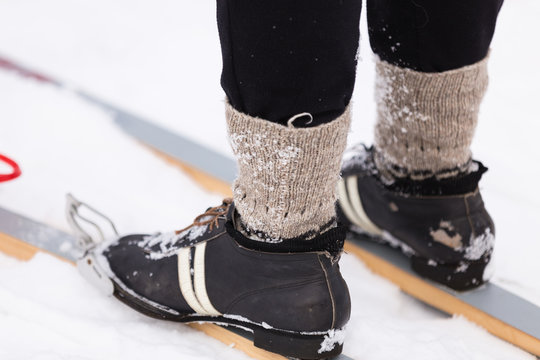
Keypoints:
pixel 74 219
pixel 88 265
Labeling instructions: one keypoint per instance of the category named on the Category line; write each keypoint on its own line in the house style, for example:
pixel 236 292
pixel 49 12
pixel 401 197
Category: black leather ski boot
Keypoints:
pixel 290 295
pixel 441 224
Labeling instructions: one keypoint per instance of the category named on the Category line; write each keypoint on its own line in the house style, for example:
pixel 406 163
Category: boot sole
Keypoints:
pixel 285 343
pixel 465 275
pixel 462 276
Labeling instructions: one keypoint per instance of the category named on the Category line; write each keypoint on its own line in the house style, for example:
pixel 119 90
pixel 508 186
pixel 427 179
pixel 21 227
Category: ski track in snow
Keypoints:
pixel 47 311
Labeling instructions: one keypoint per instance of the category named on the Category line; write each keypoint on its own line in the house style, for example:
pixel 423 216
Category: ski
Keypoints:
pixel 22 237
pixel 499 311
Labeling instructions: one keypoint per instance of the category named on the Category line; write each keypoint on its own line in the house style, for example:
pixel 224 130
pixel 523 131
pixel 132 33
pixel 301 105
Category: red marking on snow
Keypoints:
pixel 16 170
pixel 9 65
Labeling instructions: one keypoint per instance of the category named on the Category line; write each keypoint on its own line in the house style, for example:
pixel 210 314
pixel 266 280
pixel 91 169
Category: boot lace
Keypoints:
pixel 210 216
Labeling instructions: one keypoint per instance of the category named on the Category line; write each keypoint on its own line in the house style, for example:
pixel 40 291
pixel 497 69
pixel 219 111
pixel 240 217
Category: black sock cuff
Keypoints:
pixel 362 163
pixel 460 184
pixel 330 241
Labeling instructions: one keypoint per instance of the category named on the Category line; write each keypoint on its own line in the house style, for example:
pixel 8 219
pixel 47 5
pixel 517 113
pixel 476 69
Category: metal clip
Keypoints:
pixel 88 265
pixel 75 219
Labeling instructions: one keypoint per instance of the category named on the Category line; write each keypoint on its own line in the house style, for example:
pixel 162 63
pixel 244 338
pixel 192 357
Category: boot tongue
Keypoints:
pixel 165 243
pixel 358 160
pixel 231 211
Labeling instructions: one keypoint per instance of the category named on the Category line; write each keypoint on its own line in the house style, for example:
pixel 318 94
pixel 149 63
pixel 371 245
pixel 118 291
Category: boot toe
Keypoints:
pixel 152 278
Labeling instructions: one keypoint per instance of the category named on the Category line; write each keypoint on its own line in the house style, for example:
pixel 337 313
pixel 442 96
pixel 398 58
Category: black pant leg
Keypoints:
pixel 432 35
pixel 285 57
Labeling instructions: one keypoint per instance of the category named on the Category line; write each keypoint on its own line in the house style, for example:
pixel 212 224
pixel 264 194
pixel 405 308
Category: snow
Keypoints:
pixel 168 240
pixel 396 243
pixel 47 312
pixel 334 337
pixel 480 245
pixel 161 60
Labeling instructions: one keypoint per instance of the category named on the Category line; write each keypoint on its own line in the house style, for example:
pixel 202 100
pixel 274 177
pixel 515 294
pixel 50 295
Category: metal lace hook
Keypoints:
pixel 74 219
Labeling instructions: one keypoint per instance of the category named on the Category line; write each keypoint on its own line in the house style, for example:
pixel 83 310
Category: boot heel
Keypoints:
pixel 298 345
pixel 458 276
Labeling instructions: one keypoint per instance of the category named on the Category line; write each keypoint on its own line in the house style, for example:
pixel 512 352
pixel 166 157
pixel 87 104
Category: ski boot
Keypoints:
pixel 290 295
pixel 442 225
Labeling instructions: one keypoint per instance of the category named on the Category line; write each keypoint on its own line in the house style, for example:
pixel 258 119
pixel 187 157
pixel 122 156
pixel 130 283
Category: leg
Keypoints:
pixel 432 35
pixel 266 260
pixel 427 117
pixel 418 185
pixel 282 58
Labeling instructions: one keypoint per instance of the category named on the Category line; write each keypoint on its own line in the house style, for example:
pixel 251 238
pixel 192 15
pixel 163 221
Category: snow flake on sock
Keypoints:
pixel 389 88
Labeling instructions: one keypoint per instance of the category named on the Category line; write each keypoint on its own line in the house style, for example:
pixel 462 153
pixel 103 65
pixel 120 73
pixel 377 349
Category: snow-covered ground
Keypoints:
pixel 161 59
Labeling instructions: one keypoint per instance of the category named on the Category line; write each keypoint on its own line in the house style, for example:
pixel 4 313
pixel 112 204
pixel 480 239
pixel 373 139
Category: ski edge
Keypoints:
pixel 16 248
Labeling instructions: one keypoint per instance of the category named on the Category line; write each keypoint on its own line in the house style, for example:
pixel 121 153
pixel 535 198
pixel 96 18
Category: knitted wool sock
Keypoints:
pixel 426 121
pixel 286 185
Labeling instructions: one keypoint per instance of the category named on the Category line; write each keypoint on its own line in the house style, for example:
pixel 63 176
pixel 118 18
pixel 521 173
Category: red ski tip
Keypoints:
pixel 16 170
pixel 10 65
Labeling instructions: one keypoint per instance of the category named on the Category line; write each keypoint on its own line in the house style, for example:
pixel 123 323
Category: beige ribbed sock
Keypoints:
pixel 426 121
pixel 286 185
